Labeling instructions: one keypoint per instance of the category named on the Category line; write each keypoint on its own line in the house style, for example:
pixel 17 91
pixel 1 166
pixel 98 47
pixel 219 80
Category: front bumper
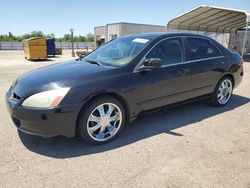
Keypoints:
pixel 43 122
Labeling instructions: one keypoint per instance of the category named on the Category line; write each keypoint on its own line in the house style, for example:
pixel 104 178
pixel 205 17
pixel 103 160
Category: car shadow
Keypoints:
pixel 55 56
pixel 40 60
pixel 144 127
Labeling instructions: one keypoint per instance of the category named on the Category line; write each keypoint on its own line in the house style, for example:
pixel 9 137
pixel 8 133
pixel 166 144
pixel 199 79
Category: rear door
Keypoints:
pixel 207 63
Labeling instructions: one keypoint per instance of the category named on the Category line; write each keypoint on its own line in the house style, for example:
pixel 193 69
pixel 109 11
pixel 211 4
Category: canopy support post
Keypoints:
pixel 244 41
pixel 223 35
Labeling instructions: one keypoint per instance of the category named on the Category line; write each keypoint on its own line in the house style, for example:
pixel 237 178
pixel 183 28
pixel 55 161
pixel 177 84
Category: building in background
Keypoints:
pixel 110 31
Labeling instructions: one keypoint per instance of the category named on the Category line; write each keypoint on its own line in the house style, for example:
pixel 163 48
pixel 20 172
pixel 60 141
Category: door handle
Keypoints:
pixel 183 71
pixel 220 63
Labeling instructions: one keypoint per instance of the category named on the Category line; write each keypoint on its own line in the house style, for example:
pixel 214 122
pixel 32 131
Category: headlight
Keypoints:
pixel 46 99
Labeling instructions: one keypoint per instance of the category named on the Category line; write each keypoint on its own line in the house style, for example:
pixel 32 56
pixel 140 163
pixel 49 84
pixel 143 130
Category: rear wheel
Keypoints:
pixel 101 120
pixel 222 92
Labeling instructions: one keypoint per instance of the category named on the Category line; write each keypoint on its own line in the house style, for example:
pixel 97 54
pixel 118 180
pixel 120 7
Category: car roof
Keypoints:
pixel 156 35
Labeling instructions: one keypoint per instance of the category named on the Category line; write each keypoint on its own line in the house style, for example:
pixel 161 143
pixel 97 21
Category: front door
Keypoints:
pixel 166 85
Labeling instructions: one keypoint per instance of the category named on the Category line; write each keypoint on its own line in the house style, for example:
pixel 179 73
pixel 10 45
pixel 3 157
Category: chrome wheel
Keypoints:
pixel 224 91
pixel 104 122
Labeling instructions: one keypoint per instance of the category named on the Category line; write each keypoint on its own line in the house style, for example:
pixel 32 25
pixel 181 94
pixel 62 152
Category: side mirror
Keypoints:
pixel 151 63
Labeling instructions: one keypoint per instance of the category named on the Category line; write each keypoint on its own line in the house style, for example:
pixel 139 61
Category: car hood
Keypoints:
pixel 66 74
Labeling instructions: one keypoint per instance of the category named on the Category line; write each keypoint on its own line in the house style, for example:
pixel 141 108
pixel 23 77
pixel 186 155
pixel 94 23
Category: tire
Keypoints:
pixel 95 123
pixel 221 91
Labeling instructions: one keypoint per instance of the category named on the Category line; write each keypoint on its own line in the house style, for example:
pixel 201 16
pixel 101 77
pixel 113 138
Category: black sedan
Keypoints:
pixel 97 95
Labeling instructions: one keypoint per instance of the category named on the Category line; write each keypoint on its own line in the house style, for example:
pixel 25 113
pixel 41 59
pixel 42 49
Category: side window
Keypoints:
pixel 200 48
pixel 169 51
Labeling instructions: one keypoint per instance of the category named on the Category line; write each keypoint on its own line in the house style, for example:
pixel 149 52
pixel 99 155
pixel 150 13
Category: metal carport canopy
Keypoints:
pixel 211 19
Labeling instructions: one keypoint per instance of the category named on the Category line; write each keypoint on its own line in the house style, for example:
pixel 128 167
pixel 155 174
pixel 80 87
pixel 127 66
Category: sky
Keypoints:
pixel 58 16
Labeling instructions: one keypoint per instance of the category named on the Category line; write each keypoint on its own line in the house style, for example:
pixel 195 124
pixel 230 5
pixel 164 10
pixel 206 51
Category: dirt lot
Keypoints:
pixel 195 145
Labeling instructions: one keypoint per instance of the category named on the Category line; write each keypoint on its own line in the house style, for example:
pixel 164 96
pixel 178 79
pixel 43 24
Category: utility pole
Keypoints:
pixel 72 42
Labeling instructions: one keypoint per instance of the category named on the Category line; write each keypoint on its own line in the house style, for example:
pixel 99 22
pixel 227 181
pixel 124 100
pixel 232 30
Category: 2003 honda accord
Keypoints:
pixel 96 95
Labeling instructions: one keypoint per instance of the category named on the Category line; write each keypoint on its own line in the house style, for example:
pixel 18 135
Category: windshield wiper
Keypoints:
pixel 94 62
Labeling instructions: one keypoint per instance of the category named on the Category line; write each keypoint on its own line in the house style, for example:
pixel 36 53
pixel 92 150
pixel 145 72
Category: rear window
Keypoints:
pixel 198 48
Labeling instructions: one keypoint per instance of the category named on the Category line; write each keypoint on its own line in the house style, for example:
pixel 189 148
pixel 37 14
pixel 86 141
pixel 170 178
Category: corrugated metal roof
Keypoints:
pixel 210 19
pixel 117 23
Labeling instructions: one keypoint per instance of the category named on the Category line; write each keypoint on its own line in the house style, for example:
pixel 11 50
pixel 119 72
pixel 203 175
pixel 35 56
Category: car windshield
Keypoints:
pixel 118 52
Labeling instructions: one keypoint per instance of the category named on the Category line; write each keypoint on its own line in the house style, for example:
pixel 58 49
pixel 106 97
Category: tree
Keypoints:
pixel 37 34
pixel 51 35
pixel 10 34
pixel 66 38
pixel 90 37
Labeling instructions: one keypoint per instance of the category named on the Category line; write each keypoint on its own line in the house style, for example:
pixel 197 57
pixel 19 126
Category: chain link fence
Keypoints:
pixel 63 45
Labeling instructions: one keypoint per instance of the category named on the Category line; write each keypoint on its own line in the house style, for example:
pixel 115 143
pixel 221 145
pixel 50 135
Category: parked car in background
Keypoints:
pixel 96 95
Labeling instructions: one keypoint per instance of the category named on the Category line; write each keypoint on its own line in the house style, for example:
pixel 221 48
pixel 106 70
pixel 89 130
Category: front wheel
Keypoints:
pixel 101 120
pixel 222 92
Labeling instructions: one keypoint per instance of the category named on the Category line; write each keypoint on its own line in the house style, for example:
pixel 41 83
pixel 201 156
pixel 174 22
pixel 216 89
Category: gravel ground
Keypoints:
pixel 195 145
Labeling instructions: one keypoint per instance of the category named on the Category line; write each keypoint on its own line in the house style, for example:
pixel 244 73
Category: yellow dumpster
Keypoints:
pixel 35 48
